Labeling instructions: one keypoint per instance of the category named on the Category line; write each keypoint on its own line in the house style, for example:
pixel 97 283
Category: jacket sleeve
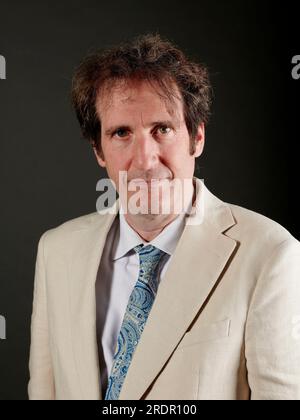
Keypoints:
pixel 272 337
pixel 41 383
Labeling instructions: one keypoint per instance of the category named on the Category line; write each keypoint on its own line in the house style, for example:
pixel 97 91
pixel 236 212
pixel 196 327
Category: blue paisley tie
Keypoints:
pixel 136 314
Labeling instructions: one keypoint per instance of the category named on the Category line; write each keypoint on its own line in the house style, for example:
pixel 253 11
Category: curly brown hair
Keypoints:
pixel 147 57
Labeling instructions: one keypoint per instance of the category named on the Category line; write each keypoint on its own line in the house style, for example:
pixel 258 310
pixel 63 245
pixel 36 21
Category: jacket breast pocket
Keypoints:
pixel 206 332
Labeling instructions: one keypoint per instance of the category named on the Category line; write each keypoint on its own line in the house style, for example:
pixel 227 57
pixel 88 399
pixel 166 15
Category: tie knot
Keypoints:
pixel 148 251
pixel 150 257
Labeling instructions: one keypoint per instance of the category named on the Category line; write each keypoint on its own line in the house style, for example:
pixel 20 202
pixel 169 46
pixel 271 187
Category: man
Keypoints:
pixel 197 304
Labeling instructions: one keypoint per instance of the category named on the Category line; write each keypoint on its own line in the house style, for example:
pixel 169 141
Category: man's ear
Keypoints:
pixel 99 157
pixel 199 140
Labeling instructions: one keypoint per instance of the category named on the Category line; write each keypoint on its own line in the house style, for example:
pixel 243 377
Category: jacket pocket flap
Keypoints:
pixel 208 332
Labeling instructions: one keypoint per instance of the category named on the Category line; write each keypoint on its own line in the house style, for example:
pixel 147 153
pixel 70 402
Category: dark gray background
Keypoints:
pixel 48 173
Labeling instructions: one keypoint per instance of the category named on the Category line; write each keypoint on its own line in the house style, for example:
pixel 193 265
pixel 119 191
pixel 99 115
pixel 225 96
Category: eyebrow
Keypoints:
pixel 112 129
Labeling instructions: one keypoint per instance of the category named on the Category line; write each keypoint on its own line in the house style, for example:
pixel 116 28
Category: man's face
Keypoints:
pixel 146 136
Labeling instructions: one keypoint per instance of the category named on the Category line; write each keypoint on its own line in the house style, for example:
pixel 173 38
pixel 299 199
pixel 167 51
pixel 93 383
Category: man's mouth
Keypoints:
pixel 150 181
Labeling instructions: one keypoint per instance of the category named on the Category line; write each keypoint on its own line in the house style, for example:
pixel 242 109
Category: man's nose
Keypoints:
pixel 145 153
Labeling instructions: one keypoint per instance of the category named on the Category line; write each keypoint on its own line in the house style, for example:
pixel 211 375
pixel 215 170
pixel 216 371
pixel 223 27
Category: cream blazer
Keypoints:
pixel 225 324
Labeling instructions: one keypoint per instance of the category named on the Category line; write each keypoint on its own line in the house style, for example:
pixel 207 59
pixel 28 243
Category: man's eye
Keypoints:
pixel 121 132
pixel 164 129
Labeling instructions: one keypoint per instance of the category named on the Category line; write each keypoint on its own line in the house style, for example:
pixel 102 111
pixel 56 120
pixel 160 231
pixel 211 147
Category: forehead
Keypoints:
pixel 130 98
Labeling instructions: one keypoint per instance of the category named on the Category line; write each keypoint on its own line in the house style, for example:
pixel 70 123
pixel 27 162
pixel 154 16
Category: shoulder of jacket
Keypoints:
pixel 64 231
pixel 258 226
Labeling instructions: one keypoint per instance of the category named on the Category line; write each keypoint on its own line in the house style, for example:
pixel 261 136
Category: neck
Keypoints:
pixel 149 226
pixel 149 229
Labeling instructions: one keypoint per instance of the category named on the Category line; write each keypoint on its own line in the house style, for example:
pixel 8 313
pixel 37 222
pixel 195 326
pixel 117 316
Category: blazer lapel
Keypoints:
pixel 194 270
